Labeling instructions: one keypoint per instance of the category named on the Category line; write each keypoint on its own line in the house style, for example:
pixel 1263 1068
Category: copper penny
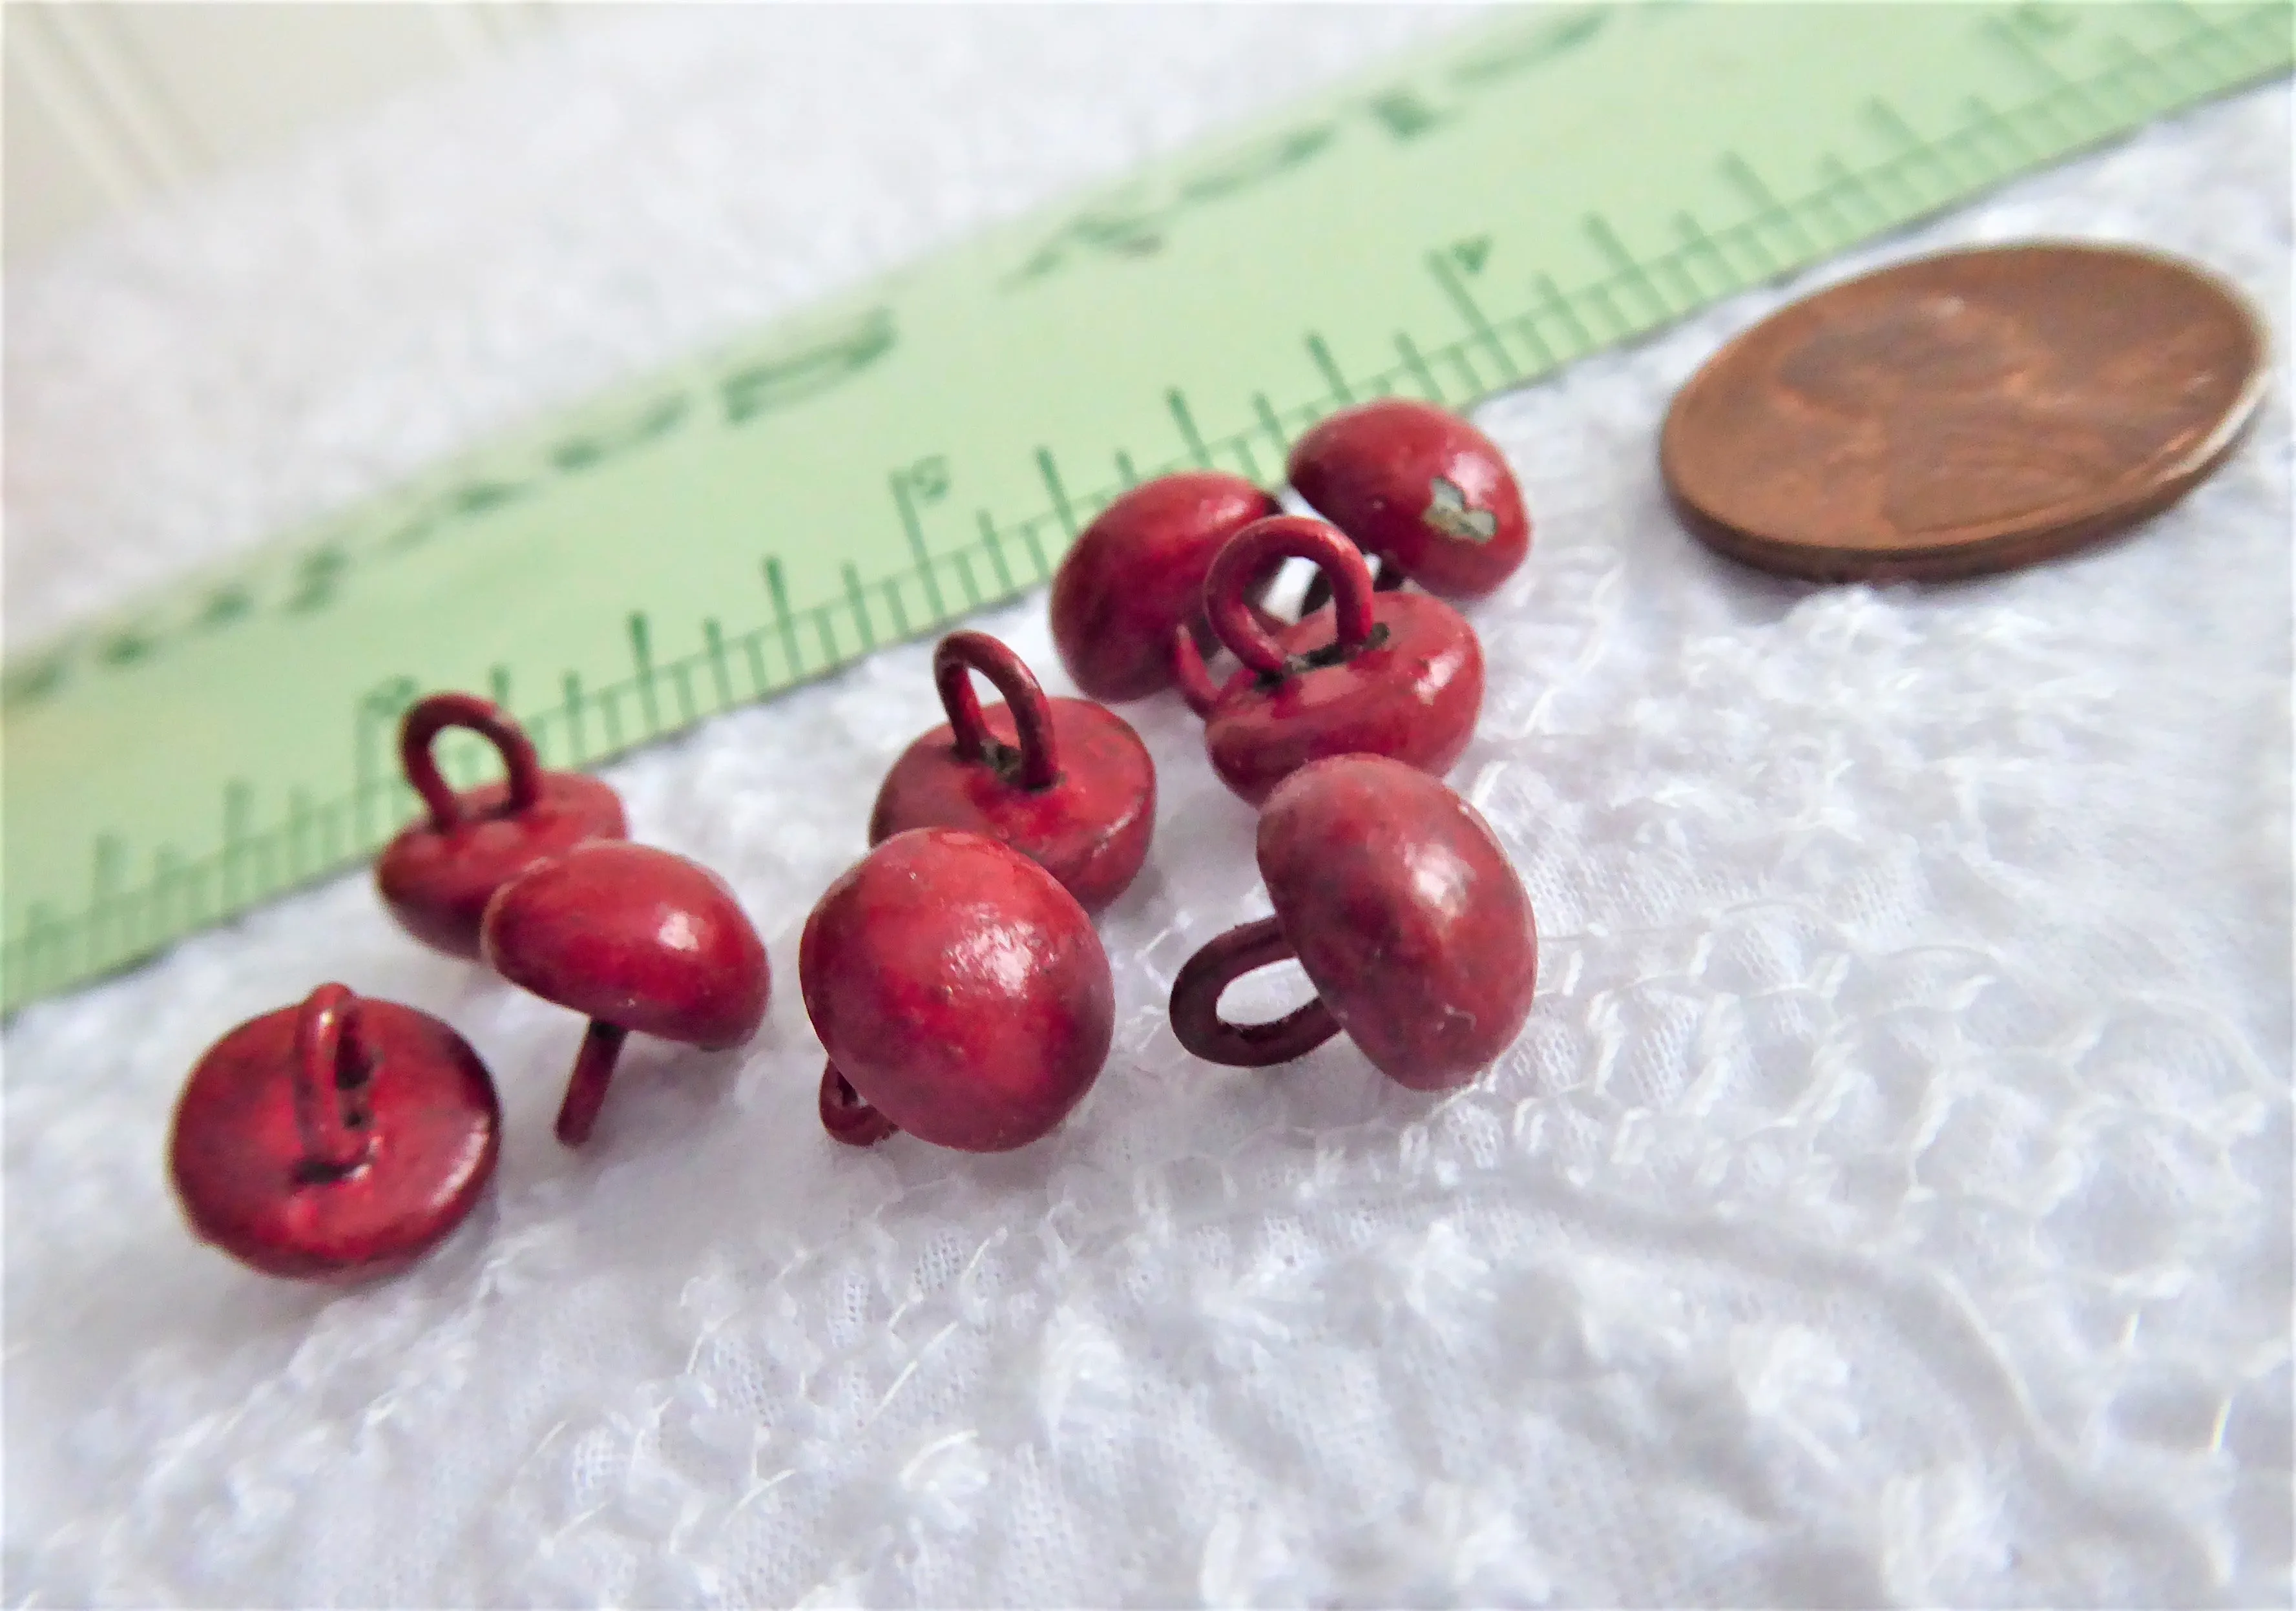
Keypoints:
pixel 1962 414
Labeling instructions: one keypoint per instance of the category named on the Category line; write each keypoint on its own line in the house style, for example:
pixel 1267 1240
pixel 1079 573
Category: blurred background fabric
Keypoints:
pixel 1887 1203
pixel 111 103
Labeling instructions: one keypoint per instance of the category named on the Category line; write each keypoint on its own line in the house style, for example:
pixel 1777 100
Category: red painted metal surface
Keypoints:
pixel 1394 673
pixel 636 939
pixel 437 876
pixel 1421 488
pixel 1137 574
pixel 340 1139
pixel 1065 783
pixel 959 990
pixel 1406 915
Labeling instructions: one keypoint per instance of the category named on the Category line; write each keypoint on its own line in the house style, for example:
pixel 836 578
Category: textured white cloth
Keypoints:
pixel 1888 1201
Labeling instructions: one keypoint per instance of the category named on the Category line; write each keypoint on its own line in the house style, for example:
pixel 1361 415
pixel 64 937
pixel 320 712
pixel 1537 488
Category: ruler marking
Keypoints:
pixel 2061 88
pixel 1036 550
pixel 1051 475
pixel 1184 419
pixel 65 938
pixel 2046 127
pixel 134 926
pixel 40 923
pixel 912 529
pixel 298 828
pixel 206 879
pixel 103 879
pixel 1271 425
pixel 777 589
pixel 1472 312
pixel 1455 354
pixel 1246 459
pixel 2196 28
pixel 1429 387
pixel 1600 297
pixel 1089 504
pixel 891 588
pixel 1959 177
pixel 713 638
pixel 753 656
pixel 2194 44
pixel 991 540
pixel 1860 187
pixel 363 772
pixel 33 950
pixel 541 730
pixel 2122 93
pixel 1679 290
pixel 1826 215
pixel 1626 269
pixel 1912 150
pixel 856 606
pixel 1599 302
pixel 1391 380
pixel 363 763
pixel 826 633
pixel 2022 49
pixel 1741 173
pixel 61 937
pixel 1321 355
pixel 235 798
pixel 972 598
pixel 167 877
pixel 1558 305
pixel 266 848
pixel 2199 29
pixel 1989 141
pixel 577 741
pixel 2174 70
pixel 1974 168
pixel 1981 135
pixel 16 958
pixel 35 947
pixel 1913 200
pixel 2129 61
pixel 58 937
pixel 1841 182
pixel 641 636
pixel 148 927
pixel 2269 22
pixel 1697 243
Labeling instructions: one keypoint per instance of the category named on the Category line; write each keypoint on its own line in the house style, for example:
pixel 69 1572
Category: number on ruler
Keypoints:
pixel 926 481
pixel 1133 222
pixel 799 372
pixel 591 449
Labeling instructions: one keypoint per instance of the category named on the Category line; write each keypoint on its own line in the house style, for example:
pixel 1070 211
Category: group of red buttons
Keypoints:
pixel 954 974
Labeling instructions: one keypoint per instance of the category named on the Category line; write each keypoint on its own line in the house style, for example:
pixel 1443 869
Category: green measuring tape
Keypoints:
pixel 1546 186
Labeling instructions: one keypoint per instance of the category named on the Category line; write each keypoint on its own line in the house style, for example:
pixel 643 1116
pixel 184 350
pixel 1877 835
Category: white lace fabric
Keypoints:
pixel 1889 1201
